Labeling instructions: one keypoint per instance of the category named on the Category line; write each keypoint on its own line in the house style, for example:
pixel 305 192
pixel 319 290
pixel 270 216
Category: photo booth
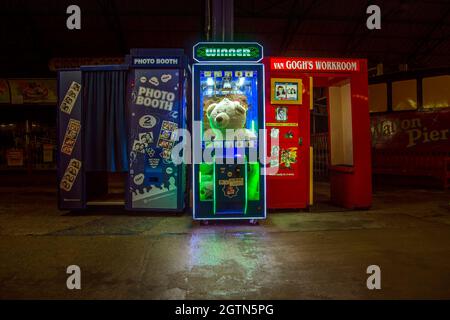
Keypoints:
pixel 116 132
pixel 156 111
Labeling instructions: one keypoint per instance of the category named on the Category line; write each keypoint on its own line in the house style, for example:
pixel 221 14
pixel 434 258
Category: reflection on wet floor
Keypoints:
pixel 290 255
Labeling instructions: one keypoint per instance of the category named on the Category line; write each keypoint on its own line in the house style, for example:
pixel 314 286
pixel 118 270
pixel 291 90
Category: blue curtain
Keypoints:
pixel 105 132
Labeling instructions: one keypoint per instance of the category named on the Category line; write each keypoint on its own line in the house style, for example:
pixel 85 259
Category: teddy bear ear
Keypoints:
pixel 210 109
pixel 239 103
pixel 240 109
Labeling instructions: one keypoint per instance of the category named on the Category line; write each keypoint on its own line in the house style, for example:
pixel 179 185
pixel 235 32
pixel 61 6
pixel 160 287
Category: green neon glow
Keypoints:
pixel 253 126
pixel 223 51
pixel 205 178
pixel 246 185
pixel 253 182
pixel 228 51
pixel 200 181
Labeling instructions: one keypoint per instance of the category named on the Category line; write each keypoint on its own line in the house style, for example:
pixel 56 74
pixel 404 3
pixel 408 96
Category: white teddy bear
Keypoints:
pixel 228 114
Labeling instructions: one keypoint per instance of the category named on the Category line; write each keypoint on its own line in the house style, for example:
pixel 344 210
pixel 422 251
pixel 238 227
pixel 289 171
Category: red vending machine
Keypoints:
pixel 288 145
pixel 289 100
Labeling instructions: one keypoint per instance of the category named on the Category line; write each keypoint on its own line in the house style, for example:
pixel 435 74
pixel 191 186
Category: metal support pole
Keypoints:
pixel 222 20
pixel 228 20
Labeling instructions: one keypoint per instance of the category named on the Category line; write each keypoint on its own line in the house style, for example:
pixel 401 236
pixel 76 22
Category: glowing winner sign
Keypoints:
pixel 228 51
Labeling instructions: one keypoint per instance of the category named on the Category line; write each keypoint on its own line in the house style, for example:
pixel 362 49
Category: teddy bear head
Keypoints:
pixel 227 114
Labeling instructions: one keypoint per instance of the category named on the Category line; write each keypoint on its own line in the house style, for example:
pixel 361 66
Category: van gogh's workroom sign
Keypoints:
pixel 309 64
pixel 228 51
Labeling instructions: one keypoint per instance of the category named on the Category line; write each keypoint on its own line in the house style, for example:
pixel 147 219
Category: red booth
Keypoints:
pixel 289 100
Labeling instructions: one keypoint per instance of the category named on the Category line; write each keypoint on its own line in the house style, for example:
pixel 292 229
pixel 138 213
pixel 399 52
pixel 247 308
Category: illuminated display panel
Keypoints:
pixel 239 88
pixel 235 86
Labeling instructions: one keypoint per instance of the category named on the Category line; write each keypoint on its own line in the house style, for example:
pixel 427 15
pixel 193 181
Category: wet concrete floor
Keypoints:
pixel 321 254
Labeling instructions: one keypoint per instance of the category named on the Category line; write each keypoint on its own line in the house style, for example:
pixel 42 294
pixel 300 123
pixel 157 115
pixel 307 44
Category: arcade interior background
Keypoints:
pixel 94 96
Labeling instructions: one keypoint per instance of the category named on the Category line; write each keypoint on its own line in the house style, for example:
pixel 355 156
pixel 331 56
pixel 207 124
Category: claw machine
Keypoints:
pixel 228 125
pixel 157 90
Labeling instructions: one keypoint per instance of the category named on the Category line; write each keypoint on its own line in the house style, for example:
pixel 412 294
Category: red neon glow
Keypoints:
pixel 314 64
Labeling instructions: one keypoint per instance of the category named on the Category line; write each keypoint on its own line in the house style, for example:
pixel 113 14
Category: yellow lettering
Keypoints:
pixel 434 135
pixel 413 136
pixel 444 134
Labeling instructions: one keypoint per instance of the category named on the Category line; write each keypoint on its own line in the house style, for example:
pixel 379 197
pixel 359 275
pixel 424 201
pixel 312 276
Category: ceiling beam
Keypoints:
pixel 427 44
pixel 295 21
pixel 289 26
pixel 273 4
pixel 356 38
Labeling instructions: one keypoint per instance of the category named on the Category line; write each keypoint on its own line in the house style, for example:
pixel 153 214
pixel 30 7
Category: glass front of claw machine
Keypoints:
pixel 230 113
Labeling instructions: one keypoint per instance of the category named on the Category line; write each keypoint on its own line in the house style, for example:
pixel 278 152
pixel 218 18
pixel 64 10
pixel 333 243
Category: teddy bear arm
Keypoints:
pixel 210 109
